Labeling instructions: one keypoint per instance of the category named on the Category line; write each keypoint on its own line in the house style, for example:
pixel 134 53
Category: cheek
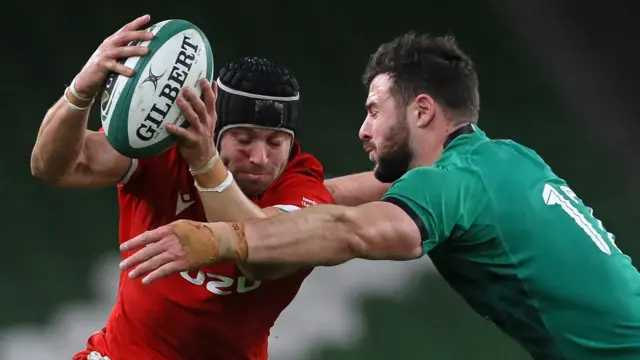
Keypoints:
pixel 278 159
pixel 226 146
pixel 380 131
pixel 231 156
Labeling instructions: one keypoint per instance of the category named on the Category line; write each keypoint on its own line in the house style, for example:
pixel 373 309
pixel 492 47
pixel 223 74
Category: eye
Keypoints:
pixel 275 142
pixel 244 140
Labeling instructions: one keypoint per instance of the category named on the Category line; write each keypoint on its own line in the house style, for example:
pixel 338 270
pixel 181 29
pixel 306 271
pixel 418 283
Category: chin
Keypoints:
pixel 251 187
pixel 252 191
pixel 388 172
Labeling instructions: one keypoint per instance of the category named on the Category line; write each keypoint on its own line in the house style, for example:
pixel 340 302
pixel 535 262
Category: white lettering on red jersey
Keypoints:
pixel 212 314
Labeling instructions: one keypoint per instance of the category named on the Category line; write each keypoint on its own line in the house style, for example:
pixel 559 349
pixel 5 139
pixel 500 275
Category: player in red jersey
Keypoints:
pixel 222 312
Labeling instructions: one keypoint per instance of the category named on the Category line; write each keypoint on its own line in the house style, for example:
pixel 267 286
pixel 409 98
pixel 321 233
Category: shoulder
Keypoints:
pixel 440 174
pixel 300 184
pixel 437 180
pixel 304 164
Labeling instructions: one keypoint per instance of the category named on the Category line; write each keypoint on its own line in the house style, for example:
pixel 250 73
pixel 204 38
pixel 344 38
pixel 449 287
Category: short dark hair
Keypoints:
pixel 421 64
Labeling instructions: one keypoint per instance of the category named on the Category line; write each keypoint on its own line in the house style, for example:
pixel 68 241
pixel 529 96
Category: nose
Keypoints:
pixel 258 155
pixel 365 130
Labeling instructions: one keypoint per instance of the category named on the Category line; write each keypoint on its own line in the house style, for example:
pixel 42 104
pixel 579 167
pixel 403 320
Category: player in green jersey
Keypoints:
pixel 503 230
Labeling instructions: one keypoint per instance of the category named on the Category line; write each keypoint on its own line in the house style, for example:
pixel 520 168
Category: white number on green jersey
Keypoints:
pixel 552 197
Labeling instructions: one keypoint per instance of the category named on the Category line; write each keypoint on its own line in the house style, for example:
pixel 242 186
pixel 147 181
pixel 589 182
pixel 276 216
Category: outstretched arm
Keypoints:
pixel 356 189
pixel 320 235
pixel 331 235
pixel 409 221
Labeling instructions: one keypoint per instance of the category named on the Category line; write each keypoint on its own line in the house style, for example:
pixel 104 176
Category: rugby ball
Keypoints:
pixel 134 110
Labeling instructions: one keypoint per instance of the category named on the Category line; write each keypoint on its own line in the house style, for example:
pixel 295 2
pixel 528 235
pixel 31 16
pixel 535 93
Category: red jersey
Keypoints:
pixel 212 314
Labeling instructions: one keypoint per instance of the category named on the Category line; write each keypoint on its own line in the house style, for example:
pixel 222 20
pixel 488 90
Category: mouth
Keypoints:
pixel 370 150
pixel 372 156
pixel 254 175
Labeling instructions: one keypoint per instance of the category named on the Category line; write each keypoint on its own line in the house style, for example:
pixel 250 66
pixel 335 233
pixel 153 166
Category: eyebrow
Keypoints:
pixel 369 104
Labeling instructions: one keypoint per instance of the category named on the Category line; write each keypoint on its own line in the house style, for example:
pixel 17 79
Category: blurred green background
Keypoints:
pixel 537 84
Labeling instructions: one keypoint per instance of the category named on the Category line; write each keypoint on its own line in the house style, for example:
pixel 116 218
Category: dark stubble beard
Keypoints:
pixel 395 158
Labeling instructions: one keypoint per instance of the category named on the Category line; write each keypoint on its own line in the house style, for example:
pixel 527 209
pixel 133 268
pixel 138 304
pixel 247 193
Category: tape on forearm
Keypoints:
pixel 74 103
pixel 220 188
pixel 239 240
pixel 213 177
pixel 205 247
pixel 207 166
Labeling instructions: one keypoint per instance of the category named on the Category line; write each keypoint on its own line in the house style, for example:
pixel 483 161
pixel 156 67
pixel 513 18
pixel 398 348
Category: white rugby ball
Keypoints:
pixel 134 110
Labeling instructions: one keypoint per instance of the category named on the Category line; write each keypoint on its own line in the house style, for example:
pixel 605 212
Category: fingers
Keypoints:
pixel 214 87
pixel 126 37
pixel 142 256
pixel 191 107
pixel 125 52
pixel 197 104
pixel 110 58
pixel 153 262
pixel 165 270
pixel 146 238
pixel 137 23
pixel 117 67
pixel 200 116
pixel 184 135
pixel 210 94
pixel 115 48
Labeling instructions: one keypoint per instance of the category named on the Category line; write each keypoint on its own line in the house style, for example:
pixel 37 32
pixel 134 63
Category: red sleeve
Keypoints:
pixel 301 185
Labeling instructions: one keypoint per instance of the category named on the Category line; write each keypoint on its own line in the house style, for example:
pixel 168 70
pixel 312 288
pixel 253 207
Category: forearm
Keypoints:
pixel 228 205
pixel 356 189
pixel 316 236
pixel 232 205
pixel 331 235
pixel 59 143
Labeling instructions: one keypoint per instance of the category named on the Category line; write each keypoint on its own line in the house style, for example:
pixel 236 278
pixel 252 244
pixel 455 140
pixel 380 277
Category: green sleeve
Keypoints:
pixel 439 200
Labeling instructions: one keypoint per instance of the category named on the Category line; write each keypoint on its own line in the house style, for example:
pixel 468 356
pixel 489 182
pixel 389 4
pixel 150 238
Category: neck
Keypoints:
pixel 432 145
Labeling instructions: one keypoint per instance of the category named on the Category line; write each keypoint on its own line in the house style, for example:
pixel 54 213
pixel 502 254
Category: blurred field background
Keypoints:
pixel 558 76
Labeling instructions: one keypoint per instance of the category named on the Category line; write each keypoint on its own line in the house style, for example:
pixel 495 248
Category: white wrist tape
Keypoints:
pixel 72 88
pixel 207 167
pixel 73 106
pixel 220 188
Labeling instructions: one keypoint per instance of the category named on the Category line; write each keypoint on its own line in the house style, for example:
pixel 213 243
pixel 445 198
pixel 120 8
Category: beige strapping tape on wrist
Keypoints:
pixel 73 106
pixel 72 88
pixel 207 167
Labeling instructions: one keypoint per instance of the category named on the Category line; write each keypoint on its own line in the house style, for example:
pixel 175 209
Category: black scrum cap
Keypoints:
pixel 254 92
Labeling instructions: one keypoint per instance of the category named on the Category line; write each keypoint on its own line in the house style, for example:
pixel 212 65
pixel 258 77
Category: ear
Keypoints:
pixel 426 110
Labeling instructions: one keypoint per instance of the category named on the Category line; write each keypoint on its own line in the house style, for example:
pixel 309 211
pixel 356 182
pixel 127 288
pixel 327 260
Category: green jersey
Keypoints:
pixel 523 250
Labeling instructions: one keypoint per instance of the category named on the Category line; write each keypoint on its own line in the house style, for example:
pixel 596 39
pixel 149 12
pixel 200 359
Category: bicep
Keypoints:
pixel 385 231
pixel 99 164
pixel 299 192
pixel 356 189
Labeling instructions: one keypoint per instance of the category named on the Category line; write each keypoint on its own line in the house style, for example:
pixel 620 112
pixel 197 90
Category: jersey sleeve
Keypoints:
pixel 440 201
pixel 299 187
